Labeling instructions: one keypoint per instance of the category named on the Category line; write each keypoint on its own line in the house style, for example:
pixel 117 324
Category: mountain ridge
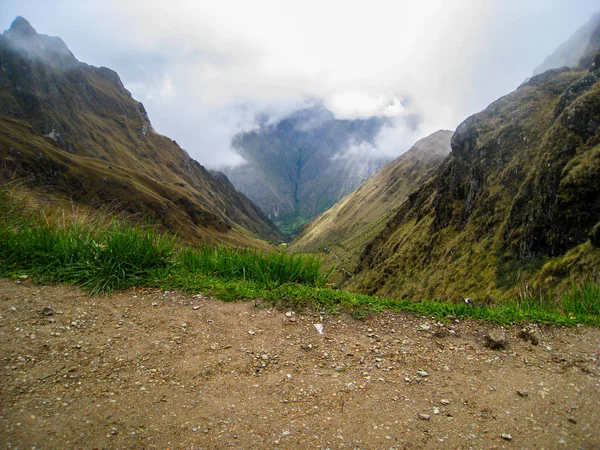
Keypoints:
pixel 101 140
pixel 345 229
pixel 302 164
pixel 503 212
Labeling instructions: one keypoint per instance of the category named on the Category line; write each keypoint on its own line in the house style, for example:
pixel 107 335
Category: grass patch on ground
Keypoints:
pixel 102 254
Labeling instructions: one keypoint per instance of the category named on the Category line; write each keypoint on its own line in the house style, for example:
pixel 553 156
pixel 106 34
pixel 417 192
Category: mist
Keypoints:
pixel 206 71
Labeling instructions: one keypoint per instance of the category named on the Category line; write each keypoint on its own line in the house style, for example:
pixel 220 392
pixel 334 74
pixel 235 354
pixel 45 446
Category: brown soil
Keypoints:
pixel 154 369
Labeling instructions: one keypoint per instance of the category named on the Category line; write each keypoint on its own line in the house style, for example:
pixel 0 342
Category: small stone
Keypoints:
pixel 286 433
pixel 506 436
pixel 154 304
pixel 436 410
pixel 496 340
pixel 572 420
pixel 422 416
pixel 444 401
pixel 422 373
pixel 288 314
pixel 196 307
pixel 423 327
pixel 530 335
pixel 47 311
pixel 251 333
pixel 523 392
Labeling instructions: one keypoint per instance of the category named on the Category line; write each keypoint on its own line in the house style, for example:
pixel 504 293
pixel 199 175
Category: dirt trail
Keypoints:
pixel 153 369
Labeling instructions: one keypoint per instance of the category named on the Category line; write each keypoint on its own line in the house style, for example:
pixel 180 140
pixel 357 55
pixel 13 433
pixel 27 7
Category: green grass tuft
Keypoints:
pixel 103 254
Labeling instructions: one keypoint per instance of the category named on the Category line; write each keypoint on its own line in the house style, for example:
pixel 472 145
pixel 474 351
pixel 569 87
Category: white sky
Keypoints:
pixel 204 69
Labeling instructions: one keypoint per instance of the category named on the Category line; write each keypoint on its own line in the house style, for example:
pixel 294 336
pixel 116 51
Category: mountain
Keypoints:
pixel 346 228
pixel 72 131
pixel 577 51
pixel 303 164
pixel 515 207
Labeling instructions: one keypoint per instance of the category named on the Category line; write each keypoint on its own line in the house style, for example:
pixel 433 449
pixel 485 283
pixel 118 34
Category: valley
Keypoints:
pixel 346 280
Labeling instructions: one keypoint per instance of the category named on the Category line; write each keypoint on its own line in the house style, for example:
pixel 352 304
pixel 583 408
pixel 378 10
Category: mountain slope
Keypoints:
pixel 350 224
pixel 513 206
pixel 76 132
pixel 303 164
pixel 577 51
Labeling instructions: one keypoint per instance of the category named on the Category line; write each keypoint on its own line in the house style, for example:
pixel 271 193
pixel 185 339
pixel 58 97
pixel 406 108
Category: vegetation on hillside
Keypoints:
pixel 345 230
pixel 101 253
pixel 513 207
pixel 73 131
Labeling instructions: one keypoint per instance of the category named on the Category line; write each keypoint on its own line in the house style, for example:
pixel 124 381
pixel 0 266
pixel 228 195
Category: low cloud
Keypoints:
pixel 206 71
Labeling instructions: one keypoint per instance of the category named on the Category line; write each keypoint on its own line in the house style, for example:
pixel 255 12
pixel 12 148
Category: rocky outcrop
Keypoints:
pixel 519 193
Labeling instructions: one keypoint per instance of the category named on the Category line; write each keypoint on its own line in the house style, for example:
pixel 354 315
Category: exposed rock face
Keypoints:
pixel 75 131
pixel 300 166
pixel 347 227
pixel 516 200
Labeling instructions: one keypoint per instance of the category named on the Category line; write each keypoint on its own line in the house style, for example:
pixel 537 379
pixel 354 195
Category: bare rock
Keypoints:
pixel 496 339
pixel 530 334
pixel 47 311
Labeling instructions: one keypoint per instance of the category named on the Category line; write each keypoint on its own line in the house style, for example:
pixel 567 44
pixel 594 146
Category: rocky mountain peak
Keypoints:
pixel 21 27
pixel 50 49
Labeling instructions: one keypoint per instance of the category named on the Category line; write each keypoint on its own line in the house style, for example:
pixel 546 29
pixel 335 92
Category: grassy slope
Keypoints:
pixel 350 224
pixel 101 254
pixel 483 225
pixel 35 163
pixel 102 133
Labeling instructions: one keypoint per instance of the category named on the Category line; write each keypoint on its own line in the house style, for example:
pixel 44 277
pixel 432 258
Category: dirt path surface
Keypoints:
pixel 155 369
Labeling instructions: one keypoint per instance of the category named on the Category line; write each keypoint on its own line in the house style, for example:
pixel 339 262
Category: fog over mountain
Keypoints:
pixel 207 71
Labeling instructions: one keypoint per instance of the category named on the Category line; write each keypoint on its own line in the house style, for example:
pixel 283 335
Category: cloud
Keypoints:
pixel 207 70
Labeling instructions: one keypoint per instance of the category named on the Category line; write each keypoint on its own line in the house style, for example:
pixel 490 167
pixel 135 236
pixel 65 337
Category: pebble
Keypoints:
pixel 47 311
pixel 288 314
pixel 506 436
pixel 444 401
pixel 424 416
pixel 530 335
pixel 523 392
pixel 251 333
pixel 154 304
pixel 422 373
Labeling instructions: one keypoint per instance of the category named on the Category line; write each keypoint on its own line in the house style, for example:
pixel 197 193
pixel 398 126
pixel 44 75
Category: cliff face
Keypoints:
pixel 516 201
pixel 302 165
pixel 350 224
pixel 80 121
